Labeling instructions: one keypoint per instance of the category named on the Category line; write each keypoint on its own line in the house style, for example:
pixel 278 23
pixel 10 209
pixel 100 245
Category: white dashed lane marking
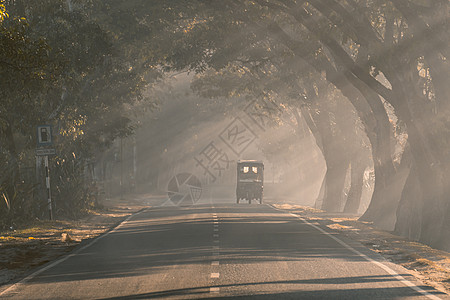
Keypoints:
pixel 215 262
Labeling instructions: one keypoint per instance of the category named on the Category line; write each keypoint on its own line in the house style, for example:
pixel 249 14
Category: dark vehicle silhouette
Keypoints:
pixel 250 180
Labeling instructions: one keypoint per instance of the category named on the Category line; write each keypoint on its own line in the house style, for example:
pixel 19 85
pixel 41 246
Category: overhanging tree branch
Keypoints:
pixel 339 53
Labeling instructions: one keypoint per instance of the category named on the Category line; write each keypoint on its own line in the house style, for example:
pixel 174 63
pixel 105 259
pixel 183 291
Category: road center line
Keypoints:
pixel 379 264
pixel 215 254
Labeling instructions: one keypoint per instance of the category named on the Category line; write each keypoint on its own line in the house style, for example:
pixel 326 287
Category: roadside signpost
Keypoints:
pixel 44 138
pixel 45 152
pixel 44 135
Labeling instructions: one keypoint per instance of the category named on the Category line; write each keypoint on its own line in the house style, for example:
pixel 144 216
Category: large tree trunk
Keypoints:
pixel 434 198
pixel 388 190
pixel 376 123
pixel 335 181
pixel 408 213
pixel 336 159
pixel 434 212
pixel 444 234
pixel 380 137
pixel 385 194
pixel 356 187
pixel 427 219
pixel 319 142
pixel 424 214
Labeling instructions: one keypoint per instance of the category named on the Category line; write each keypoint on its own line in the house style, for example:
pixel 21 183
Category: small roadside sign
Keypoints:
pixel 44 135
pixel 45 152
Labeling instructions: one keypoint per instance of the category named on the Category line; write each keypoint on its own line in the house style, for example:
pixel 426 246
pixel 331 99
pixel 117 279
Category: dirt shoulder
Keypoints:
pixel 429 265
pixel 23 249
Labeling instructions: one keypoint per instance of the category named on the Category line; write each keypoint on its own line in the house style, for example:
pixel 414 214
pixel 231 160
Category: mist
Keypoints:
pixel 169 140
pixel 349 115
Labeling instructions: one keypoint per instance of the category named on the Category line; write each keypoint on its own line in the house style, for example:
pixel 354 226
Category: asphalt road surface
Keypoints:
pixel 220 251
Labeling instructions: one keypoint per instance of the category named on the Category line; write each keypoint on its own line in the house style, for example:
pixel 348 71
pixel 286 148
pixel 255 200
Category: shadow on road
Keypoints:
pixel 360 293
pixel 163 237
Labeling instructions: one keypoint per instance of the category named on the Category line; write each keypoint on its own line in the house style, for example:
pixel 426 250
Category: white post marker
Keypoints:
pixel 45 138
pixel 47 183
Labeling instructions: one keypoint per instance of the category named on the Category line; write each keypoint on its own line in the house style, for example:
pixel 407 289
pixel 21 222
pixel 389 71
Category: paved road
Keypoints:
pixel 220 251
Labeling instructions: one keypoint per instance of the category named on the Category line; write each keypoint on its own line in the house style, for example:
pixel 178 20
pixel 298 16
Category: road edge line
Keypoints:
pixel 66 257
pixel 390 271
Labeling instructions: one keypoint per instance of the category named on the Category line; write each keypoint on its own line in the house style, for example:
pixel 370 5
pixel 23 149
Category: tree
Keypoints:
pixel 24 69
pixel 86 90
pixel 305 95
pixel 379 55
pixel 327 30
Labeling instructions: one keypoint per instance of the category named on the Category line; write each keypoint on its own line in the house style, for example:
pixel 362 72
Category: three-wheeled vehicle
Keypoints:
pixel 250 180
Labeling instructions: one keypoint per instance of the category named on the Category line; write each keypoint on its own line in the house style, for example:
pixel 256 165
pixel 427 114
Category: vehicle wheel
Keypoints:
pixel 237 200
